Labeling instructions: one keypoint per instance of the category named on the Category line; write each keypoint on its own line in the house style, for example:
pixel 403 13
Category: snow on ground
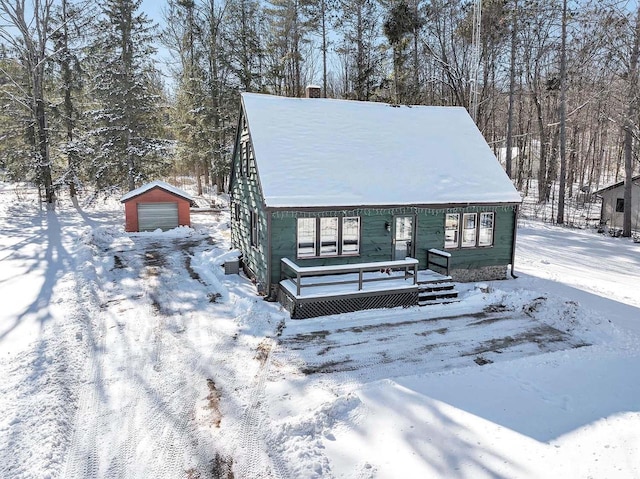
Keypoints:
pixel 133 355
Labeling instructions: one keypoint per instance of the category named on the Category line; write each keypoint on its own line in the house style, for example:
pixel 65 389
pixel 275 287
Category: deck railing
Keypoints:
pixel 408 265
pixel 445 257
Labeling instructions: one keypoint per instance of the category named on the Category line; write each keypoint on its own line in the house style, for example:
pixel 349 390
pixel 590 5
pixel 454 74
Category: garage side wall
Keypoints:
pixel 155 195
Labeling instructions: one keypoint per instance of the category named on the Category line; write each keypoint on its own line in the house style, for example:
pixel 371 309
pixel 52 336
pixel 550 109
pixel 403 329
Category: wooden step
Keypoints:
pixel 445 293
pixel 428 276
pixel 438 301
pixel 437 294
pixel 439 286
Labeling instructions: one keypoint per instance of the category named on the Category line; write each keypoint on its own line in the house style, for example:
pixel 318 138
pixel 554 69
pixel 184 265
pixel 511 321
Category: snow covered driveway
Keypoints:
pixel 431 339
pixel 147 372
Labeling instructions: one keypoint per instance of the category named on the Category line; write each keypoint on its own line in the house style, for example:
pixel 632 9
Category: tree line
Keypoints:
pixel 553 84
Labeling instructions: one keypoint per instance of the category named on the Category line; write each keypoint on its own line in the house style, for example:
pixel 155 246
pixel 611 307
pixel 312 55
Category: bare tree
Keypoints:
pixel 28 32
pixel 630 125
pixel 563 114
pixel 512 86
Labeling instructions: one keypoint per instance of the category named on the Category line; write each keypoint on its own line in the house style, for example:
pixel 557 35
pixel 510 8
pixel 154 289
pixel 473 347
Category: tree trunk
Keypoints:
pixel 628 129
pixel 68 101
pixel 512 89
pixel 563 115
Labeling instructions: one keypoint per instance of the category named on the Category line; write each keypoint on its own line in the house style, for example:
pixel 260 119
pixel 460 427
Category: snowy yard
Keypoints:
pixel 133 355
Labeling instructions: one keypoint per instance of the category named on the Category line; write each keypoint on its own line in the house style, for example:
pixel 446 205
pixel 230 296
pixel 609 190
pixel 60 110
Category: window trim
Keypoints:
pixel 460 230
pixel 254 226
pixel 464 243
pixel 480 228
pixel 241 159
pixel 456 242
pixel 619 208
pixel 314 236
pixel 333 241
pixel 247 157
pixel 340 240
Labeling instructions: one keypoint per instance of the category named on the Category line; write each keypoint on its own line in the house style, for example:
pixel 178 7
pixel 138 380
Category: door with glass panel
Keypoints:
pixel 402 237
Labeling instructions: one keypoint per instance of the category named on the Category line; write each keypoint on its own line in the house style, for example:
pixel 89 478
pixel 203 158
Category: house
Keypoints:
pixel 348 188
pixel 612 211
pixel 156 205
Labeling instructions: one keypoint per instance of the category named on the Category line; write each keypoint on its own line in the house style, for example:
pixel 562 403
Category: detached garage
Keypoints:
pixel 156 205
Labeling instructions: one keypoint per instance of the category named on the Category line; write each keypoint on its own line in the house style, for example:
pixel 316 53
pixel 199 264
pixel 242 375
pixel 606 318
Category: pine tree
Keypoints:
pixel 222 95
pixel 70 21
pixel 242 42
pixel 289 29
pixel 16 127
pixel 127 147
pixel 401 21
pixel 358 22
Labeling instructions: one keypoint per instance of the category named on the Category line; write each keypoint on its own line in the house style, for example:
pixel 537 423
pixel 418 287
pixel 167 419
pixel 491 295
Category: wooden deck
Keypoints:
pixel 319 291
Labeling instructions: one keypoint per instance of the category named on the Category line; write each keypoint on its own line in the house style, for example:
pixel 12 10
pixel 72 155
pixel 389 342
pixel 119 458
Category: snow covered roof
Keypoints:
pixel 634 179
pixel 322 152
pixel 155 184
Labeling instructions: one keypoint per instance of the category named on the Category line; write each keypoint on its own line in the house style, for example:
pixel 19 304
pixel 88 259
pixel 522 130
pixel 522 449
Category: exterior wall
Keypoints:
pixel 493 259
pixel 610 217
pixel 155 195
pixel 247 197
pixel 376 242
pixel 484 273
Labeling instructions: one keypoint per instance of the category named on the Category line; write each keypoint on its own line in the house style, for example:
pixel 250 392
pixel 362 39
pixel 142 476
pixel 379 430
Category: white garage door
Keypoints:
pixel 152 216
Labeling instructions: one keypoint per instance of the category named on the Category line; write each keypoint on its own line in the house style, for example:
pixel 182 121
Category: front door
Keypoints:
pixel 402 237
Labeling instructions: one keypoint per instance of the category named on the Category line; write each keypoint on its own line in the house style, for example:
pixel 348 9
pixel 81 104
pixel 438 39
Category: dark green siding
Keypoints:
pixel 496 255
pixel 246 193
pixel 376 242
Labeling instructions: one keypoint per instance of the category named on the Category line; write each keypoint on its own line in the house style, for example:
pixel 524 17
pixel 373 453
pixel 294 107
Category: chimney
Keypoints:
pixel 314 91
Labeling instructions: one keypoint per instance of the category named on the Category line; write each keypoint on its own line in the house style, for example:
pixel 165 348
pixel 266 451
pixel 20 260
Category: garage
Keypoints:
pixel 156 205
pixel 152 216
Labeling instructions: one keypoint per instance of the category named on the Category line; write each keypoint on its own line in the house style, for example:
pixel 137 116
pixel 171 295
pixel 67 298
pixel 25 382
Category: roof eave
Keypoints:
pixel 463 204
pixel 185 197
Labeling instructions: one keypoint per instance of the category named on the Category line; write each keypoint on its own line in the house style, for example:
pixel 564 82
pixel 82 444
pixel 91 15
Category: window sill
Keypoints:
pixel 352 255
pixel 456 248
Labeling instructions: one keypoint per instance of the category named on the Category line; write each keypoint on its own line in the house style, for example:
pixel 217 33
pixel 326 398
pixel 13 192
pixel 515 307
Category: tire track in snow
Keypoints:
pixel 82 456
pixel 345 356
pixel 256 460
pixel 150 400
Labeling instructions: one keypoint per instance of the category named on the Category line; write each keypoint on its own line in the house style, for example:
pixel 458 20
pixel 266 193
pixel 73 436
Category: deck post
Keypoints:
pixel 297 283
pixel 360 279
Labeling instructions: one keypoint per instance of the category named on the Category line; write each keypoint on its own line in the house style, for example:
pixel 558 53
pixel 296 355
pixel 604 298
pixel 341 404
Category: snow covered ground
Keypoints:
pixel 133 355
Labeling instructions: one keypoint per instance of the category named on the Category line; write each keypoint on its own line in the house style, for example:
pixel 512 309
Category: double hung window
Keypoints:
pixel 350 235
pixel 485 235
pixel 451 230
pixel 468 230
pixel 328 236
pixel 475 230
pixel 306 237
